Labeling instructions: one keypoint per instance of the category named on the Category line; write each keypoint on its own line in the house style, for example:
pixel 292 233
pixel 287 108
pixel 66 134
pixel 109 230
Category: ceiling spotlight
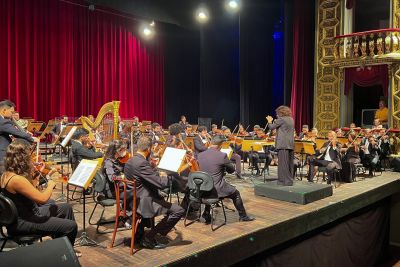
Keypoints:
pixel 147 31
pixel 202 15
pixel 232 5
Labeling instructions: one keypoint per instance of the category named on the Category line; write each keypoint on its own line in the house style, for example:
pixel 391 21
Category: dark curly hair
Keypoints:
pixel 18 158
pixel 114 147
pixel 175 128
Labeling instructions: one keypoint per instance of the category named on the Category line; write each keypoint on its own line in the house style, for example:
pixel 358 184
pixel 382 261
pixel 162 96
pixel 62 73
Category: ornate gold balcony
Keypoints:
pixel 375 46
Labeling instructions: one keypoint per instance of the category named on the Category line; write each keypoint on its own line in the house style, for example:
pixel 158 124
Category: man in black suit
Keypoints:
pixel 8 129
pixel 200 141
pixel 215 163
pixel 148 184
pixel 79 149
pixel 59 127
pixel 327 156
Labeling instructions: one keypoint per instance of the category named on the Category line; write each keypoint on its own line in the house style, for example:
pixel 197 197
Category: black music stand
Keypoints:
pixel 303 148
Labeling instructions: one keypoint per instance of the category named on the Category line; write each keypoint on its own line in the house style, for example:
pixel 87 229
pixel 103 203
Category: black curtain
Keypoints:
pixel 182 73
pixel 219 78
pixel 257 20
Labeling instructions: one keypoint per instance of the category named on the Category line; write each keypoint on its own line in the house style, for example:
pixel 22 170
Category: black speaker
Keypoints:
pixel 57 252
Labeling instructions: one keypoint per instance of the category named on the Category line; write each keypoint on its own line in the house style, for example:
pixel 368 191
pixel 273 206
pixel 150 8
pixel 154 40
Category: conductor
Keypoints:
pixel 284 143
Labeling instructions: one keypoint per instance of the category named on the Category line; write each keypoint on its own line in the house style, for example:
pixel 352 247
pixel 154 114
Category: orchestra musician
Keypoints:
pixel 237 150
pixel 22 123
pixel 81 151
pixel 59 127
pixel 36 214
pixel 351 150
pixel 183 121
pixel 113 165
pixel 135 121
pixel 369 152
pixel 284 143
pixel 214 130
pixel 304 132
pixel 9 129
pixel 201 140
pixel 187 131
pixel 328 156
pixel 216 163
pixel 242 131
pixel 151 203
pixel 256 130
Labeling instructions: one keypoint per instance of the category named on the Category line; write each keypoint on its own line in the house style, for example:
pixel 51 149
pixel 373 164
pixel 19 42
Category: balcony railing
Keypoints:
pixel 367 44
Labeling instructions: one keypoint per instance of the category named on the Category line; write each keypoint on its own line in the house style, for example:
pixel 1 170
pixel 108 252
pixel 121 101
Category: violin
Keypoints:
pixel 125 158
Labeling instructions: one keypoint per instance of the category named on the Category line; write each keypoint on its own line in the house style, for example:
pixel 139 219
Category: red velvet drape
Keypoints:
pixel 57 58
pixel 303 64
pixel 368 76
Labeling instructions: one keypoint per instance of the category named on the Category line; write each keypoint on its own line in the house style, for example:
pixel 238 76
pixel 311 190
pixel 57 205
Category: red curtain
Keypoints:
pixel 303 64
pixel 367 76
pixel 58 58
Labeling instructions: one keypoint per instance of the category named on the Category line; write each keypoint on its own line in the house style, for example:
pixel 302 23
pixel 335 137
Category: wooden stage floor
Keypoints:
pixel 276 222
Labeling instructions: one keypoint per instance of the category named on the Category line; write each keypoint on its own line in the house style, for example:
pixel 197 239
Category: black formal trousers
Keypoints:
pixel 55 220
pixel 285 166
pixel 237 202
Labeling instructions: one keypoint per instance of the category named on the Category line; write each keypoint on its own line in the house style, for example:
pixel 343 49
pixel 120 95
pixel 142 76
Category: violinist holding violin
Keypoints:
pixel 201 140
pixel 237 149
pixel 81 151
pixel 113 166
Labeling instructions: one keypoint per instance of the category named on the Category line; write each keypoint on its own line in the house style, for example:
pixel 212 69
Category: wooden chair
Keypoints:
pixel 121 204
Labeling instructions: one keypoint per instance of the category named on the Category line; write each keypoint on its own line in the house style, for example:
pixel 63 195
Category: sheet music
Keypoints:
pixel 68 137
pixel 172 159
pixel 228 151
pixel 84 173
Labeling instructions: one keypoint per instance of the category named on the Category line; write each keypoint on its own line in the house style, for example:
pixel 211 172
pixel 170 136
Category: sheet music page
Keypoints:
pixel 228 151
pixel 68 137
pixel 172 159
pixel 83 173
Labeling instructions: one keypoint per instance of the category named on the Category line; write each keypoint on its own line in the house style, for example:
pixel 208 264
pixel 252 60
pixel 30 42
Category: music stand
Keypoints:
pixel 67 132
pixel 44 135
pixel 82 177
pixel 303 148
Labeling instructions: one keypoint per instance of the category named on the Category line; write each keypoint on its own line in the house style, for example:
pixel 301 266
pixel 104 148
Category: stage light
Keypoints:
pixel 232 5
pixel 202 15
pixel 146 30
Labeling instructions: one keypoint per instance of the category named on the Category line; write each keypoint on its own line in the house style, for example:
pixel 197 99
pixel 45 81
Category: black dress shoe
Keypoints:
pixel 246 219
pixel 151 244
pixel 258 172
pixel 206 217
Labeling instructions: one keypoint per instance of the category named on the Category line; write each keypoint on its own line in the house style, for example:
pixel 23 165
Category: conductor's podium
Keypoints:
pixel 300 192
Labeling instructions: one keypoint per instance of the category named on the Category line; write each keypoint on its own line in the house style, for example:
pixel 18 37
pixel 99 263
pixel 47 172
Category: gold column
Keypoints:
pixel 327 95
pixel 394 71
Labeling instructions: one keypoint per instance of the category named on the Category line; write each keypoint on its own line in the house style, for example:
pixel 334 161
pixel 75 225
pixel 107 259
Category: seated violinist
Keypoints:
pixel 151 203
pixel 214 130
pixel 201 141
pixel 256 129
pixel 237 149
pixel 188 131
pixel 155 133
pixel 113 165
pixel 369 152
pixel 36 214
pixel 174 139
pixel 304 132
pixel 351 150
pixel 328 156
pixel 81 148
pixel 242 131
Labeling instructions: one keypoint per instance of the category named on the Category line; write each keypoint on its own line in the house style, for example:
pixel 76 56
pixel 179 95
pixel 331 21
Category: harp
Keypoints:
pixel 107 118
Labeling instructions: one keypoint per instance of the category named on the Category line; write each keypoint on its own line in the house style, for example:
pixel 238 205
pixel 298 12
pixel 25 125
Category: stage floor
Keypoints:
pixel 276 222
